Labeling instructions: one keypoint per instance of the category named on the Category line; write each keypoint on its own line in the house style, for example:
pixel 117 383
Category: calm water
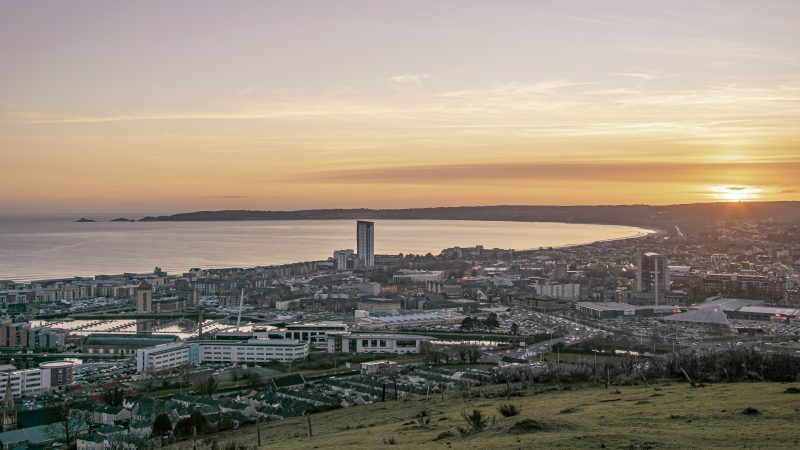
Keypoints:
pixel 36 247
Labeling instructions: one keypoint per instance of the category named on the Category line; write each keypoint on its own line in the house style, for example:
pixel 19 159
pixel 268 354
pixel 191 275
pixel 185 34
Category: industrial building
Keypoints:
pixel 396 343
pixel 612 310
pixel 123 344
pixel 407 319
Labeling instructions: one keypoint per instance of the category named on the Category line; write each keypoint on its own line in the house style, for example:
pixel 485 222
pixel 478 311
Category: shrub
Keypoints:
pixel 423 417
pixel 476 422
pixel 750 411
pixel 390 441
pixel 508 410
pixel 531 426
pixel 444 435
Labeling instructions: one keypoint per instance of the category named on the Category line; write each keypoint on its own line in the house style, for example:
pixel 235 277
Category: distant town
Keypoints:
pixel 145 360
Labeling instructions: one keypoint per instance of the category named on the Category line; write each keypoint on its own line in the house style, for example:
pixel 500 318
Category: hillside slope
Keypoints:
pixel 666 416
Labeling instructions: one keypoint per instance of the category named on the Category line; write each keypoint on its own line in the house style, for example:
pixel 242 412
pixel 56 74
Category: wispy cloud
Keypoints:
pixel 755 174
pixel 411 79
pixel 527 112
pixel 517 88
pixel 227 196
pixel 640 75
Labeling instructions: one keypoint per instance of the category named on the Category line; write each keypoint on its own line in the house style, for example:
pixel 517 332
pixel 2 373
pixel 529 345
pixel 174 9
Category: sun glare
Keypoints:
pixel 735 193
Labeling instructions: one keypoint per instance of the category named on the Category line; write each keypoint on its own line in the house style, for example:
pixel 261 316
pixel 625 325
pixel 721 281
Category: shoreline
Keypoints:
pixel 642 232
pixel 645 233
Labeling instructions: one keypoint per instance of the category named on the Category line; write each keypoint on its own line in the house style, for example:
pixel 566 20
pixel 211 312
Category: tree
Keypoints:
pixel 255 379
pixel 237 372
pixel 463 353
pixel 226 423
pixel 162 425
pixel 71 422
pixel 195 423
pixel 491 321
pixel 449 353
pixel 112 396
pixel 474 354
pixel 206 385
pixel 514 328
pixel 467 324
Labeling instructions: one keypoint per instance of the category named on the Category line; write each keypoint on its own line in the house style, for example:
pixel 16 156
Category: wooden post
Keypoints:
pixel 308 419
pixel 643 378
pixel 258 430
pixel 688 377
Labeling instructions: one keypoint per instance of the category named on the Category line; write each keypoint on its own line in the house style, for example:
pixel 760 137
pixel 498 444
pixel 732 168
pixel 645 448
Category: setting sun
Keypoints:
pixel 736 193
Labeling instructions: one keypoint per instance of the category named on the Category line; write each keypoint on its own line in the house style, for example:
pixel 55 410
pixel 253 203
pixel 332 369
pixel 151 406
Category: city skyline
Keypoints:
pixel 276 106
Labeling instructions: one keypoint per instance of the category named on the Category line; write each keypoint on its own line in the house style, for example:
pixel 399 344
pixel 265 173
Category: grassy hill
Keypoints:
pixel 736 415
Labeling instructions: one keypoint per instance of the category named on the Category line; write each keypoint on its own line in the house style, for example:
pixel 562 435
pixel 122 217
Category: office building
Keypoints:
pixel 365 241
pixel 144 298
pixel 251 351
pixel 14 334
pixel 57 374
pixel 406 277
pixel 160 357
pixel 342 259
pixel 652 276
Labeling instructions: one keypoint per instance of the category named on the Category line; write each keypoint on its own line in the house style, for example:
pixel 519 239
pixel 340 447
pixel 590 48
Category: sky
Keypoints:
pixel 195 105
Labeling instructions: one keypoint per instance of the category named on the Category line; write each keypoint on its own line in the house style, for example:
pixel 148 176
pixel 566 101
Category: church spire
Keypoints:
pixel 9 410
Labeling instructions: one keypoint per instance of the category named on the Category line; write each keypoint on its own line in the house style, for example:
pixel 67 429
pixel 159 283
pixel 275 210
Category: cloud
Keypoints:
pixel 788 191
pixel 647 172
pixel 643 76
pixel 410 79
pixel 517 88
pixel 247 90
pixel 737 188
pixel 227 196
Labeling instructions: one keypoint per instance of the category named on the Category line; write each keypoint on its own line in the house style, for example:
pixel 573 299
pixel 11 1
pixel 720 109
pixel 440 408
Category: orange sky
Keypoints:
pixel 191 105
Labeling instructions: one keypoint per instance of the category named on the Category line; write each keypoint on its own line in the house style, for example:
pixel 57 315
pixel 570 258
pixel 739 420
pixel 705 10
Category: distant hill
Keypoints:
pixel 687 216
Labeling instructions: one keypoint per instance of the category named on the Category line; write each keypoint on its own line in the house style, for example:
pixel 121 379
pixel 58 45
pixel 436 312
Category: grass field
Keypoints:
pixel 664 416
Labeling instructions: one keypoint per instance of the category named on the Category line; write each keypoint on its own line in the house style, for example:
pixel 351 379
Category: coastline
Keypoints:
pixel 645 233
pixel 175 266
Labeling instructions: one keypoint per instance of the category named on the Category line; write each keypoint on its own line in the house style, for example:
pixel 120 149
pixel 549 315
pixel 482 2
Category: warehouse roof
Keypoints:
pixel 131 339
pixel 708 316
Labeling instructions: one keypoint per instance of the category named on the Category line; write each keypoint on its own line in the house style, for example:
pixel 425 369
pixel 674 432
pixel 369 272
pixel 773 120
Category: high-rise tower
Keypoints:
pixel 144 297
pixel 652 275
pixel 365 241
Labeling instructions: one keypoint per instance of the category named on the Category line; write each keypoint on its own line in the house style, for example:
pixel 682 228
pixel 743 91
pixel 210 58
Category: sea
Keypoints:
pixel 34 247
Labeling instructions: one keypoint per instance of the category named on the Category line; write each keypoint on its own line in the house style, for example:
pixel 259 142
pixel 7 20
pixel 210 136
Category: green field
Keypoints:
pixel 663 416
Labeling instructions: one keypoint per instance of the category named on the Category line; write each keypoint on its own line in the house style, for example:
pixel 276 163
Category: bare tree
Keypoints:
pixel 71 423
